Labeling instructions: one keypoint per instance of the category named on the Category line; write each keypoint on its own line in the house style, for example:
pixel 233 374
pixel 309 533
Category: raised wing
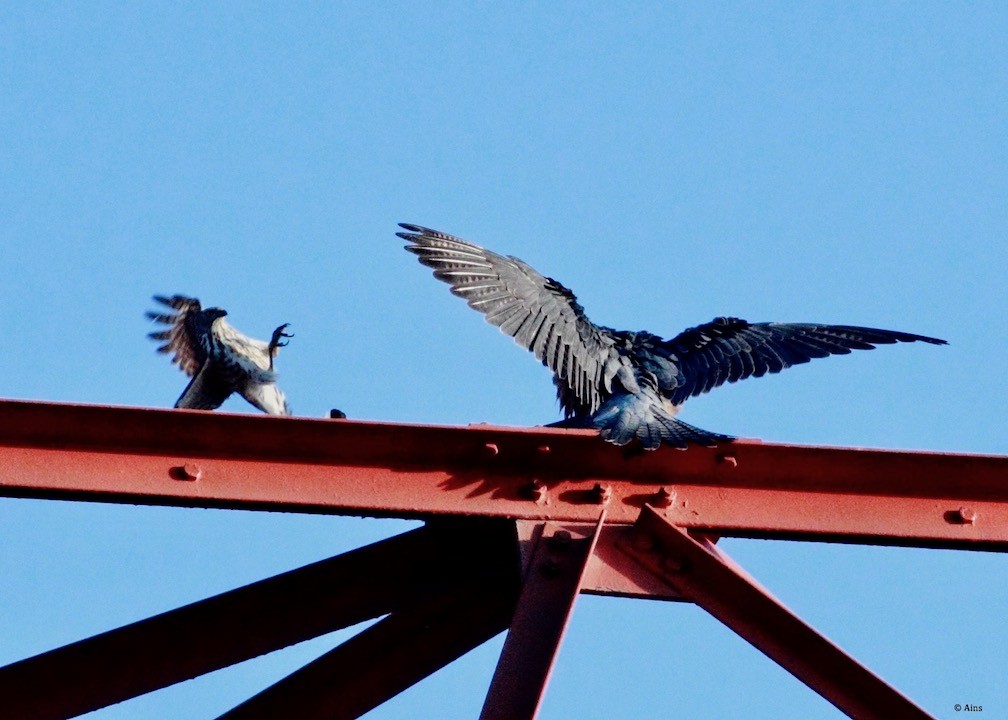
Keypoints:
pixel 538 312
pixel 729 349
pixel 180 336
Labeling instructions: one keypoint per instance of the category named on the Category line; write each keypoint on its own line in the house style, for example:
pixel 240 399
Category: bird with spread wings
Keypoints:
pixel 219 359
pixel 626 384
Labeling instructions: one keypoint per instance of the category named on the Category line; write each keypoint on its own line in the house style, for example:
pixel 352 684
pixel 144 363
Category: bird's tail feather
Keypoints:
pixel 625 417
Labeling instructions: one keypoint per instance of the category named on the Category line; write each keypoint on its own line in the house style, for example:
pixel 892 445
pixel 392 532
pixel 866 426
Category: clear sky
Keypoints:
pixel 828 162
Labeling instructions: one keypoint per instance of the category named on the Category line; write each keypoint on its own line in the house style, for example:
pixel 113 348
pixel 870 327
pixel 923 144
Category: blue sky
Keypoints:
pixel 829 162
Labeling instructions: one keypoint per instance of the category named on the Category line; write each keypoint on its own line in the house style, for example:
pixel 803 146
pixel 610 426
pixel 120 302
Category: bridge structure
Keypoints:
pixel 517 523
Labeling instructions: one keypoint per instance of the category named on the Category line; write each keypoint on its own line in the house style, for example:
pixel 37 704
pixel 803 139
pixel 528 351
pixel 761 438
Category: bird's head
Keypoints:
pixel 214 313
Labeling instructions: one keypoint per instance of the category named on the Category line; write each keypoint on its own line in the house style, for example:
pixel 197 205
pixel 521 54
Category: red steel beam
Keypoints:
pixel 258 618
pixel 746 488
pixel 706 576
pixel 553 580
pixel 387 658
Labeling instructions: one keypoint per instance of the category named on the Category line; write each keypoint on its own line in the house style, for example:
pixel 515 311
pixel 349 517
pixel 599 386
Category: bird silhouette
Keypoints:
pixel 626 384
pixel 219 359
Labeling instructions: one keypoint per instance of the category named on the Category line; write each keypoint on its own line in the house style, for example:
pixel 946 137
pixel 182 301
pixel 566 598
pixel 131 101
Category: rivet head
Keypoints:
pixel 672 565
pixel 491 450
pixel 601 494
pixel 662 498
pixel 191 471
pixel 535 490
pixel 544 450
pixel 560 540
pixel 966 515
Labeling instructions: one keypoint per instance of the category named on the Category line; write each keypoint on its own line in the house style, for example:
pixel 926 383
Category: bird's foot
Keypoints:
pixel 277 334
pixel 275 343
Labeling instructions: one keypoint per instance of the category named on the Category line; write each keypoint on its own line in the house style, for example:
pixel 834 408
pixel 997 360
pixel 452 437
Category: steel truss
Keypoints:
pixel 517 523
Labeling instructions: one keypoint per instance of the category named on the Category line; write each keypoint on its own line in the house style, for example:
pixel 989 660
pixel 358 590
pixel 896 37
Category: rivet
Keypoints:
pixel 535 490
pixel 966 515
pixel 672 565
pixel 191 471
pixel 601 494
pixel 491 450
pixel 544 450
pixel 729 460
pixel 662 498
pixel 560 540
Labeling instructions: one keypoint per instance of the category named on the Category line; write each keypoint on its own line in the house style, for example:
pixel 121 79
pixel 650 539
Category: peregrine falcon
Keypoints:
pixel 627 384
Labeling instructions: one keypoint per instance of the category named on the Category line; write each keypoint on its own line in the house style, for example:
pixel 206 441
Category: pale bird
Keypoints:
pixel 219 359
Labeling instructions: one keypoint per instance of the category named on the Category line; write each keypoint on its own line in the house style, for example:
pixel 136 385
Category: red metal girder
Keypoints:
pixel 612 572
pixel 703 574
pixel 388 657
pixel 552 582
pixel 258 618
pixel 751 489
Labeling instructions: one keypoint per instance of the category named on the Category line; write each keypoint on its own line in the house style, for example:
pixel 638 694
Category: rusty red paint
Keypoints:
pixel 382 469
pixel 553 579
pixel 703 574
pixel 540 477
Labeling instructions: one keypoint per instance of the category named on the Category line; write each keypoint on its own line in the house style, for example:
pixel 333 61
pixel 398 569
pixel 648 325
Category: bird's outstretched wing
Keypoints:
pixel 538 312
pixel 180 336
pixel 729 349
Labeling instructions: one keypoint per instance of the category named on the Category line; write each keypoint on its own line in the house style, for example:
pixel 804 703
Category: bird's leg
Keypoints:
pixel 275 343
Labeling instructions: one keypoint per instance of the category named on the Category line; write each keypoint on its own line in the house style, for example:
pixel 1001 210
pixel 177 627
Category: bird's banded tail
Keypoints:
pixel 642 415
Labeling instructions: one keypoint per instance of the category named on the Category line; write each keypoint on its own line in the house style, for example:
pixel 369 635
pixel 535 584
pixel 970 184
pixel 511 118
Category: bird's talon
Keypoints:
pixel 275 341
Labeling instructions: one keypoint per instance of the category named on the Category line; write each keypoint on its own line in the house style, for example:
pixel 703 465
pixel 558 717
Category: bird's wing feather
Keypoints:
pixel 730 349
pixel 251 355
pixel 180 337
pixel 541 315
pixel 266 396
pixel 206 391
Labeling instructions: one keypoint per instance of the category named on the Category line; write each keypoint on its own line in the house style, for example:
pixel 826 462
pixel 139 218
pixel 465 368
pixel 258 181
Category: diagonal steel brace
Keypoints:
pixel 703 574
pixel 388 657
pixel 298 605
pixel 553 579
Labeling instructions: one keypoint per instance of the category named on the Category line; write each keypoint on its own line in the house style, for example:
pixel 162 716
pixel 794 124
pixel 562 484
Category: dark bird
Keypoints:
pixel 626 384
pixel 219 359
